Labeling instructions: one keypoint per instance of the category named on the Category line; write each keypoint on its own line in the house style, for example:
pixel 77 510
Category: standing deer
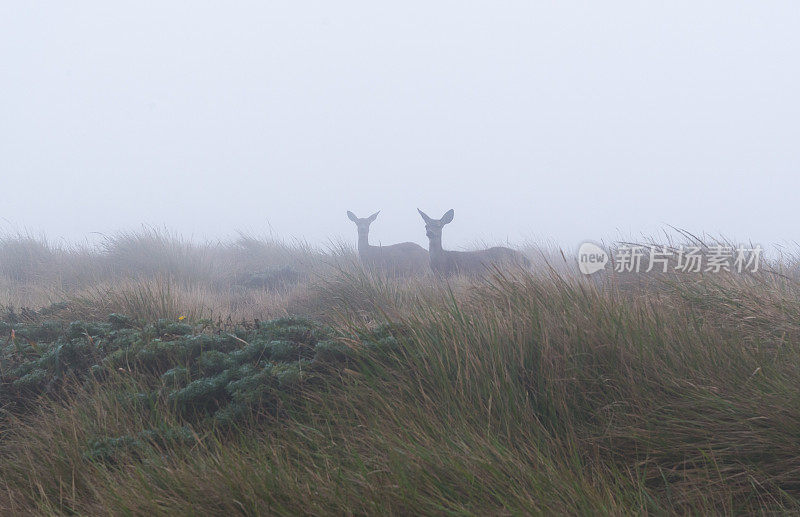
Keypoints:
pixel 445 262
pixel 397 259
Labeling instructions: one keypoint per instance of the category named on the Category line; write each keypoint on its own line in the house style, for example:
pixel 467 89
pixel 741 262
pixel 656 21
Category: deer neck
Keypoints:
pixel 363 241
pixel 435 245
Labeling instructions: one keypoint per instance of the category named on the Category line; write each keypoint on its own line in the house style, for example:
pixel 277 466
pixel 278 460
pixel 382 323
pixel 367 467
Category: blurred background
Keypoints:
pixel 536 121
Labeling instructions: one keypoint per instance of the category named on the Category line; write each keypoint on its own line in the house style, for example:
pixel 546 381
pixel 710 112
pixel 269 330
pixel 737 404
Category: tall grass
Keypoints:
pixel 525 392
pixel 153 273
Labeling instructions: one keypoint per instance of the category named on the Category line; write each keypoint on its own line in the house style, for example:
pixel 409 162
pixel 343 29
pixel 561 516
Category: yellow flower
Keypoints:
pixel 181 318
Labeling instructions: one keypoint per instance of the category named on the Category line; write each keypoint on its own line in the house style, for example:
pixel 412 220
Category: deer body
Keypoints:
pixel 398 259
pixel 446 262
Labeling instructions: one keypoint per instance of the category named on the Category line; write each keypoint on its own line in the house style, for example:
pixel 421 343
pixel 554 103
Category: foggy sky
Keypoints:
pixel 559 120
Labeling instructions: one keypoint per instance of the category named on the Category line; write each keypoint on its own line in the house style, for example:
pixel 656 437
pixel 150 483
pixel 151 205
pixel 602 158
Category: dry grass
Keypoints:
pixel 153 274
pixel 522 393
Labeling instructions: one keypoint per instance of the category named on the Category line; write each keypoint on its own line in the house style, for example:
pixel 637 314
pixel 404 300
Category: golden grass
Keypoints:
pixel 522 393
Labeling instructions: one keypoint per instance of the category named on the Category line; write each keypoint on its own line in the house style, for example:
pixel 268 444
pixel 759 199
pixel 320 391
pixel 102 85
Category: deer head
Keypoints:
pixel 433 227
pixel 362 223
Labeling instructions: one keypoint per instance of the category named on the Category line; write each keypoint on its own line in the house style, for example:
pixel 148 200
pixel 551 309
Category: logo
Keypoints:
pixel 591 258
pixel 636 258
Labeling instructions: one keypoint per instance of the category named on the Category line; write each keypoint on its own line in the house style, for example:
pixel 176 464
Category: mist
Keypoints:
pixel 556 121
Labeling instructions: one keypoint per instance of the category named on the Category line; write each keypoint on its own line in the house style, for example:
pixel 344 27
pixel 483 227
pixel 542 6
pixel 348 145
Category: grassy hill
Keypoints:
pixel 156 376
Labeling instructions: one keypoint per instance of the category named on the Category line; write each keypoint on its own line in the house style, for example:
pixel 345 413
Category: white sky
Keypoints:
pixel 557 120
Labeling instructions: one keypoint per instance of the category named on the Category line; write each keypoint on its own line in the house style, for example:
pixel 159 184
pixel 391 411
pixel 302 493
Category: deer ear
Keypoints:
pixel 352 216
pixel 447 217
pixel 424 216
pixel 373 216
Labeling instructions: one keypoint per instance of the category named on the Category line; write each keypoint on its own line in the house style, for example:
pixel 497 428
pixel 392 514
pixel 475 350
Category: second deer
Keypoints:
pixel 445 262
pixel 396 259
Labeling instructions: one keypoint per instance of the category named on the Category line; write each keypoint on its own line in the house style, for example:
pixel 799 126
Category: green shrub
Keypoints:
pixel 222 375
pixel 109 450
pixel 120 322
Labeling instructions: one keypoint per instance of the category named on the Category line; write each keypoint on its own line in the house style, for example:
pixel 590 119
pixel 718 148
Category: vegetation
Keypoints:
pixel 339 391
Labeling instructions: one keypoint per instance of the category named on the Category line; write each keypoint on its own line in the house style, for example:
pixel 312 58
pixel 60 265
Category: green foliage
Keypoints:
pixel 110 450
pixel 119 322
pixel 204 374
pixel 333 351
pixel 79 329
pixel 47 331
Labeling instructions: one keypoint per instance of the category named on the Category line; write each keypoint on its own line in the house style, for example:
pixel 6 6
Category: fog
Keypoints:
pixel 558 121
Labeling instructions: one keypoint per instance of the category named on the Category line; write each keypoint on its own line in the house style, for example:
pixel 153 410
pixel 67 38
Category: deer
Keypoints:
pixel 446 262
pixel 397 259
